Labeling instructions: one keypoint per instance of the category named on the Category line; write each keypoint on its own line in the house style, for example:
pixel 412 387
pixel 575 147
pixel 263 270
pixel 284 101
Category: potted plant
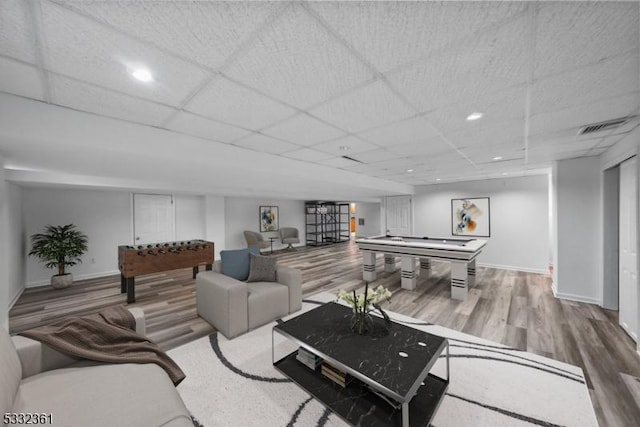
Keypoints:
pixel 59 246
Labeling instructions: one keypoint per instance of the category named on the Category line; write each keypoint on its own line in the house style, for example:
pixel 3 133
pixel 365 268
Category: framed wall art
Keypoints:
pixel 268 218
pixel 470 217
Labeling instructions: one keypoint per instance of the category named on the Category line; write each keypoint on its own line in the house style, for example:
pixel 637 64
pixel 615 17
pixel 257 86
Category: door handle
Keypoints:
pixel 137 238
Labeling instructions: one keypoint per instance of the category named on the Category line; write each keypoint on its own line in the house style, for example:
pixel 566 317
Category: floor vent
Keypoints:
pixel 598 127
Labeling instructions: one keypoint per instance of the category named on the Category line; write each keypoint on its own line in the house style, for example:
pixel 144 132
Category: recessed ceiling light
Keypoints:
pixel 345 148
pixel 142 74
pixel 409 170
pixel 437 179
pixel 504 173
pixel 474 116
pixel 497 158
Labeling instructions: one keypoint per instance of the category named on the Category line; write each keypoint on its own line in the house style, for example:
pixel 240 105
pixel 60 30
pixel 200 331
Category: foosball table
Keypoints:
pixel 157 257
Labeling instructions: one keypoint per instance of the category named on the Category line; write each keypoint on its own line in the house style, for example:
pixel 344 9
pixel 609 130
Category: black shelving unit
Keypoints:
pixel 326 222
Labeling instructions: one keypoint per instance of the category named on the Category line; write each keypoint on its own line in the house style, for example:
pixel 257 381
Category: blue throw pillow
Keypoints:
pixel 236 263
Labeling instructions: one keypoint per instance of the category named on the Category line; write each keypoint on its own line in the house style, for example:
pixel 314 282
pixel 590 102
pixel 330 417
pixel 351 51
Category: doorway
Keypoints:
pixel 153 218
pixel 398 217
pixel 629 314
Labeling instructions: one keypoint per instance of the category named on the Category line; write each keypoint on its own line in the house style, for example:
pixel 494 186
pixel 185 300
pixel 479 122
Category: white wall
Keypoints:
pixel 215 222
pixel 578 214
pixel 519 218
pixel 242 214
pixel 4 276
pixel 372 219
pixel 16 241
pixel 190 217
pixel 105 217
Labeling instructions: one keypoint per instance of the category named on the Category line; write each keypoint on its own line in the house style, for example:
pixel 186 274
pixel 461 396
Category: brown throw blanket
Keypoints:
pixel 108 336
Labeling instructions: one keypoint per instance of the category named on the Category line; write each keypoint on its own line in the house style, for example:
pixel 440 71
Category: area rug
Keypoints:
pixel 233 383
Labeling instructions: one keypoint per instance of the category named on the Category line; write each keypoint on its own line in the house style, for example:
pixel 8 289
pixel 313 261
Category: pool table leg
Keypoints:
pixel 368 266
pixel 459 280
pixel 471 273
pixel 425 267
pixel 389 263
pixel 408 274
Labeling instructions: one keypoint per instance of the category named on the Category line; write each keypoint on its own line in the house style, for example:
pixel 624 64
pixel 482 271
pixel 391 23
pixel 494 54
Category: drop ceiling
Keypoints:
pixel 309 99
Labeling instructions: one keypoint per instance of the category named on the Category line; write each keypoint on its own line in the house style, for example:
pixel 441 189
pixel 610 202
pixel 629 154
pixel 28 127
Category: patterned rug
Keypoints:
pixel 233 382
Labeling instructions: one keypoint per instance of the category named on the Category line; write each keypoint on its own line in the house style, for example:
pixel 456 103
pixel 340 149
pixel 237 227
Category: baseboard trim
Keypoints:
pixel 514 268
pixel 577 298
pixel 75 277
pixel 15 298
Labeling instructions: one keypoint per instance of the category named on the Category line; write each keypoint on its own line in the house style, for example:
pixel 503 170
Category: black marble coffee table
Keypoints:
pixel 393 385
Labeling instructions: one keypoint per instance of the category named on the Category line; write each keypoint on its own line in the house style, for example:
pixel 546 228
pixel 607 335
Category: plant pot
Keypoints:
pixel 61 281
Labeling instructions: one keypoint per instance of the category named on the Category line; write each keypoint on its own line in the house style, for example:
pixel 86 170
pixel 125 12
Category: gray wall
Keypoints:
pixel 243 214
pixel 371 214
pixel 519 218
pixel 578 213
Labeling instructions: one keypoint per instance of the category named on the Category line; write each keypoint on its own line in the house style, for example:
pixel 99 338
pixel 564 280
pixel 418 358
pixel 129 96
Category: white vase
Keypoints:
pixel 61 281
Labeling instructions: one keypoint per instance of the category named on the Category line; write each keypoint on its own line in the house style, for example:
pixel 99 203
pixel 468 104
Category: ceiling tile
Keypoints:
pixel 570 35
pixel 303 129
pixel 80 48
pixel 229 102
pixel 487 134
pixel 265 144
pixel 575 117
pixel 296 60
pixel 367 107
pixel 389 34
pixel 206 32
pixel 85 97
pixel 496 107
pixel 376 155
pixel 614 77
pixel 431 146
pixel 337 162
pixel 205 128
pixel 20 79
pixel 412 131
pixel 308 154
pixel 347 146
pixel 494 61
pixel 16 31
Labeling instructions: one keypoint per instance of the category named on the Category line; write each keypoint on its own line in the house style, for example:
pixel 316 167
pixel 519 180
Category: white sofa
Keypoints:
pixel 36 379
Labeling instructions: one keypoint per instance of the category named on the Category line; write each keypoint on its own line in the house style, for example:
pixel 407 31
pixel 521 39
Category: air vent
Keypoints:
pixel 352 159
pixel 599 127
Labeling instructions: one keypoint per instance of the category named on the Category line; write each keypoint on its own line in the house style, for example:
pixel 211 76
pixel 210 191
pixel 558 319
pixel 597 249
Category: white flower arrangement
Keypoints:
pixel 363 304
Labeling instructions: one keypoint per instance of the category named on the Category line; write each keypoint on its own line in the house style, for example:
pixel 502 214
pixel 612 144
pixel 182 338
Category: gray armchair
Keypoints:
pixel 255 239
pixel 234 307
pixel 289 235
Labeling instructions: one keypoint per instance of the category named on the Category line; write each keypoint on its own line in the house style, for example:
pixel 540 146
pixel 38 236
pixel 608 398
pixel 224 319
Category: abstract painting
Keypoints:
pixel 470 217
pixel 268 218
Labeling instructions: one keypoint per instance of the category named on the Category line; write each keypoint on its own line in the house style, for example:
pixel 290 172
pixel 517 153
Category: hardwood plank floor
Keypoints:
pixel 515 308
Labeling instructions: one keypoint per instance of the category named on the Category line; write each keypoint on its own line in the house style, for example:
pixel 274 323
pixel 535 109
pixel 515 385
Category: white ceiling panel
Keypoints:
pixel 492 62
pixel 389 34
pixel 20 79
pixel 303 129
pixel 615 77
pixel 206 32
pixel 480 134
pixel 85 97
pixel 367 107
pixel 496 107
pixel 574 34
pixel 412 131
pixel 584 114
pixel 205 128
pixel 229 102
pixel 308 155
pixel 428 147
pixel 17 39
pixel 337 162
pixel 296 60
pixel 265 144
pixel 80 48
pixel 376 155
pixel 346 146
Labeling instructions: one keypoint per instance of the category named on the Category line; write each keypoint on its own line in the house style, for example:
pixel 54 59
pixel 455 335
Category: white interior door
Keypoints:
pixel 398 215
pixel 628 264
pixel 153 218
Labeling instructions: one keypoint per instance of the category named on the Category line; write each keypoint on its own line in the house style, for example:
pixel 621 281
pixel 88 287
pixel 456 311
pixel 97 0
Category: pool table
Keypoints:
pixel 461 253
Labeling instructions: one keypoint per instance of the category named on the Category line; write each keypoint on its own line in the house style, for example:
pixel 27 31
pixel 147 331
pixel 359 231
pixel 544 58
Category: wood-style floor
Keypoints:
pixel 514 308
